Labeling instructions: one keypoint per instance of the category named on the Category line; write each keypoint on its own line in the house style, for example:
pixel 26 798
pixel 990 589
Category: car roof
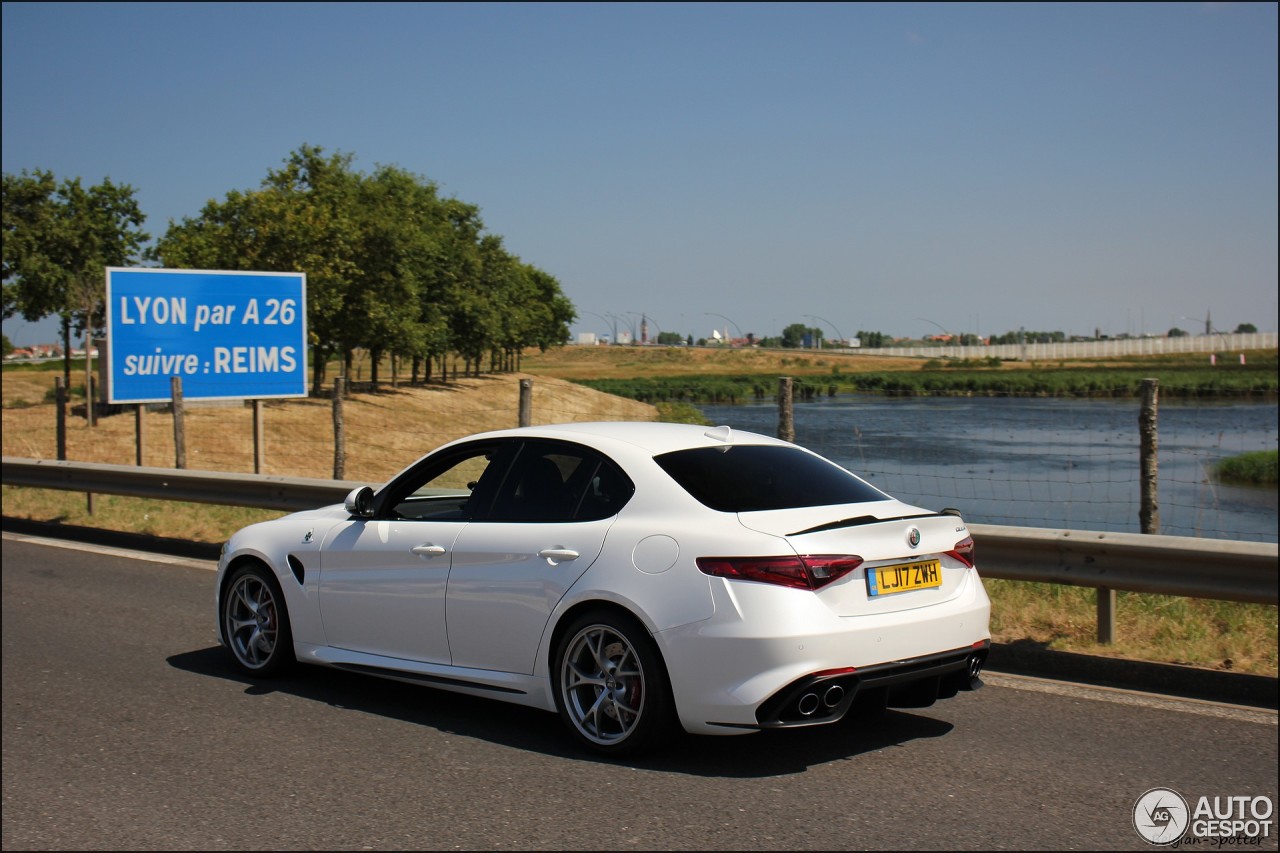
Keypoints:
pixel 651 438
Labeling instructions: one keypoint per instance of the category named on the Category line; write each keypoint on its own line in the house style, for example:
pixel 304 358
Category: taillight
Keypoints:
pixel 809 571
pixel 963 551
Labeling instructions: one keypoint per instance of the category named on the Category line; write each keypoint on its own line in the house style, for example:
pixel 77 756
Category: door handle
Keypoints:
pixel 428 550
pixel 558 555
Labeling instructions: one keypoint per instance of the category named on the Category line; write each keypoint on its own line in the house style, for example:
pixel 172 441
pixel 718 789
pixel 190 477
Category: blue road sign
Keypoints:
pixel 228 335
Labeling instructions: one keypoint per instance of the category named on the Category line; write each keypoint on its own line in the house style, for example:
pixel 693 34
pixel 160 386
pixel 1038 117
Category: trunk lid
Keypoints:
pixel 881 533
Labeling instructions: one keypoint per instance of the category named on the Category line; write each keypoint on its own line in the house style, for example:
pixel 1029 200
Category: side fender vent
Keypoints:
pixel 299 571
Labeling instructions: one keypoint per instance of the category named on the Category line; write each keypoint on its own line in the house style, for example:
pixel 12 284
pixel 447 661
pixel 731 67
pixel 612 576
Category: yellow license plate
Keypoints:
pixel 884 580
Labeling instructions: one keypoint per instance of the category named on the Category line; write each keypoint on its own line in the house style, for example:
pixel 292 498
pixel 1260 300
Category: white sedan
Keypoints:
pixel 633 577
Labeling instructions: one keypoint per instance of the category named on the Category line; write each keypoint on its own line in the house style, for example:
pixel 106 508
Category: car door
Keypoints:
pixel 383 579
pixel 545 527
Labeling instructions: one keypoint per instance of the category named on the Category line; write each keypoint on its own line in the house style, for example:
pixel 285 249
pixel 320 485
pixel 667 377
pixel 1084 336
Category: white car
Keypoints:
pixel 632 577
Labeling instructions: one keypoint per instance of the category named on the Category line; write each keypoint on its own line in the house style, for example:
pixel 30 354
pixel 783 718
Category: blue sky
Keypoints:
pixel 902 168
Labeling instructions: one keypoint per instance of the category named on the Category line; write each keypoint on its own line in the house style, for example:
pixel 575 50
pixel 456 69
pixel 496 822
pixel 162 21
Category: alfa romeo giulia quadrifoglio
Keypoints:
pixel 634 578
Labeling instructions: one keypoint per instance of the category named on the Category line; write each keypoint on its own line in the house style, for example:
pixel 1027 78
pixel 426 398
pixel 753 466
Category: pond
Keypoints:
pixel 1040 462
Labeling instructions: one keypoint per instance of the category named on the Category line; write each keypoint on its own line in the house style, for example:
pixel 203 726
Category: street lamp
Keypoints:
pixel 950 336
pixel 646 318
pixel 630 323
pixel 613 339
pixel 839 336
pixel 727 320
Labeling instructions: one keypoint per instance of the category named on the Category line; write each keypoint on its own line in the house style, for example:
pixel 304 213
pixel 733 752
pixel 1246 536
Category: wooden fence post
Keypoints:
pixel 786 417
pixel 60 402
pixel 179 424
pixel 1149 508
pixel 259 442
pixel 140 440
pixel 339 447
pixel 526 402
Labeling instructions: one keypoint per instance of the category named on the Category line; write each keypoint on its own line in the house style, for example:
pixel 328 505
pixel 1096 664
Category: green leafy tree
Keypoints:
pixel 400 219
pixel 392 268
pixel 300 220
pixel 873 340
pixel 58 241
pixel 793 336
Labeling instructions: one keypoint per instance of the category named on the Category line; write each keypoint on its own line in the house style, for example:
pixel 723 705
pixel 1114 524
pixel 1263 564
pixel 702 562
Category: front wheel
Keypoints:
pixel 255 622
pixel 611 687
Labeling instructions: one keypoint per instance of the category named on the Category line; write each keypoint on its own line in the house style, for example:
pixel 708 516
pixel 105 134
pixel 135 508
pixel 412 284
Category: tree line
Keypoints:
pixel 392 267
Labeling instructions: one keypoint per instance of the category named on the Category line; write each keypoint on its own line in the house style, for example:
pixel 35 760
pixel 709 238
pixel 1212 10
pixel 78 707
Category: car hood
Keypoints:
pixel 333 512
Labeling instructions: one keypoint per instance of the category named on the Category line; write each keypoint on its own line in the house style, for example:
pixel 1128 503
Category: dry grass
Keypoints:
pixel 384 431
pixel 1220 635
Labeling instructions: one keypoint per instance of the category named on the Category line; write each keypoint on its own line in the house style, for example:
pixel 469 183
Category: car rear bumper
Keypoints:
pixel 817 699
pixel 803 666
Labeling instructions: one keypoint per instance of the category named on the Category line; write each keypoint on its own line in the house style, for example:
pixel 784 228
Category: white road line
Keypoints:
pixel 208 565
pixel 1131 697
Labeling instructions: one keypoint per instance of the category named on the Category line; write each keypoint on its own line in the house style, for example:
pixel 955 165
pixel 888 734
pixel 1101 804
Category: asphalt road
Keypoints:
pixel 125 728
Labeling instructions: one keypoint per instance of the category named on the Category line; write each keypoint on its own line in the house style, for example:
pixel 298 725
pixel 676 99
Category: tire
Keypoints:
pixel 611 687
pixel 255 622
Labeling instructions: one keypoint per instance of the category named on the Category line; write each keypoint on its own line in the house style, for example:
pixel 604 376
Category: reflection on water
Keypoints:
pixel 1059 463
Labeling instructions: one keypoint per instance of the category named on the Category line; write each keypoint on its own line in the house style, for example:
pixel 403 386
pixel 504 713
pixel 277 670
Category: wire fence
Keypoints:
pixel 1045 462
pixel 1021 461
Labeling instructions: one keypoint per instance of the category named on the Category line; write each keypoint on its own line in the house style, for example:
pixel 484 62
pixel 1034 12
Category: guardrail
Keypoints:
pixel 1220 569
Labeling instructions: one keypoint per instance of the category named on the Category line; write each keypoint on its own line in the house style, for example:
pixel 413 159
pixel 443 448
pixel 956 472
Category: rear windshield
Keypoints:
pixel 748 478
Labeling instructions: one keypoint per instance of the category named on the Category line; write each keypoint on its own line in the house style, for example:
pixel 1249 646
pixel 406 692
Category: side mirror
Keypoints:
pixel 360 502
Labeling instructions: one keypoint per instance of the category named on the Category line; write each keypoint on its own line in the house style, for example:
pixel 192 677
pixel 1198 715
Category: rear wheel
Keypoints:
pixel 255 622
pixel 611 687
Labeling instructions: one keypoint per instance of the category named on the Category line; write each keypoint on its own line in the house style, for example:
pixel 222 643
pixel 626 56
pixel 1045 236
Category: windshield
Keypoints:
pixel 749 478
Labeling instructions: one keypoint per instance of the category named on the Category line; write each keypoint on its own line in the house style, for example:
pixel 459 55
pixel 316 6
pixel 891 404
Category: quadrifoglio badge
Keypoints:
pixel 1164 817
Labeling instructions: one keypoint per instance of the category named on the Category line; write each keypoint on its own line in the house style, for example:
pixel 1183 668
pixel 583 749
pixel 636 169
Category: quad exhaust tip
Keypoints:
pixel 975 671
pixel 809 702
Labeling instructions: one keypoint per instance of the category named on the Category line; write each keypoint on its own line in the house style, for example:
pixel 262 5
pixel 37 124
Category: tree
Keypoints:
pixel 58 241
pixel 392 268
pixel 300 220
pixel 873 340
pixel 793 336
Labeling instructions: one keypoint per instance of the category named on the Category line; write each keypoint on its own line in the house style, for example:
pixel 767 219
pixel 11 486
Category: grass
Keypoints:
pixel 388 429
pixel 1221 635
pixel 1249 469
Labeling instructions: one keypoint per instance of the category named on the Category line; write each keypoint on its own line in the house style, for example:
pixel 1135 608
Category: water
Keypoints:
pixel 1035 462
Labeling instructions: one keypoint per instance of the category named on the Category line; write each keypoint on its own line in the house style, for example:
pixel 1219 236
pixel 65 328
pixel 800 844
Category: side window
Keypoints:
pixel 607 490
pixel 453 487
pixel 557 481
